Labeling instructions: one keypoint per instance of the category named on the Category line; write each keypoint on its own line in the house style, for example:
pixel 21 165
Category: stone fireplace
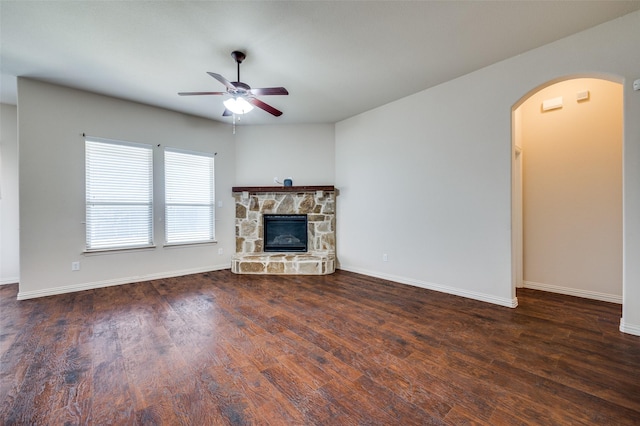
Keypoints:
pixel 314 205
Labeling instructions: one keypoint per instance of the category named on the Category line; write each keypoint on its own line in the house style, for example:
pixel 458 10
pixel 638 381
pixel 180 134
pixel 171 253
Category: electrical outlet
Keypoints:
pixel 75 266
pixel 221 251
pixel 385 258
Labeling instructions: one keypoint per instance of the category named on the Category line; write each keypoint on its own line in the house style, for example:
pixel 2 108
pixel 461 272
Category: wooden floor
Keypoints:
pixel 343 349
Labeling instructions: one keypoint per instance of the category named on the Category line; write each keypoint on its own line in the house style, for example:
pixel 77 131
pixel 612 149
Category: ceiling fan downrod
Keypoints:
pixel 239 57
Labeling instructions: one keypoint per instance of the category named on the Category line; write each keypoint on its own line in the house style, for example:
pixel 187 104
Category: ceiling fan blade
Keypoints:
pixel 266 107
pixel 227 113
pixel 201 93
pixel 222 80
pixel 269 91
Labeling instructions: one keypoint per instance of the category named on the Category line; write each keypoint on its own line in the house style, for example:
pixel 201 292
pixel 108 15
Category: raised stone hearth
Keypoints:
pixel 283 263
pixel 317 202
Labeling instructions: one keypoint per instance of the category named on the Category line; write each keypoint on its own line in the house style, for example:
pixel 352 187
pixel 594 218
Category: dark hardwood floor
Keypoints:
pixel 343 349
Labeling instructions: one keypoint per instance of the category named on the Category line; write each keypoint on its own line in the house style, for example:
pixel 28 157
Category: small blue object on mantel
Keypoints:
pixel 288 182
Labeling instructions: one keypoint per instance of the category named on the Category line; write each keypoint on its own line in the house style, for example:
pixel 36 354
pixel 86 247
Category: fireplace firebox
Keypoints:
pixel 285 232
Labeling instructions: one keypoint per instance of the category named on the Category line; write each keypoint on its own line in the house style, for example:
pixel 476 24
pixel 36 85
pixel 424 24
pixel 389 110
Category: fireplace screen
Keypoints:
pixel 285 232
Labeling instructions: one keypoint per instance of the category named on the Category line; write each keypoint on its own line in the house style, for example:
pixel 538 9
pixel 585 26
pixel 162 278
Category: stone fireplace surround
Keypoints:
pixel 317 202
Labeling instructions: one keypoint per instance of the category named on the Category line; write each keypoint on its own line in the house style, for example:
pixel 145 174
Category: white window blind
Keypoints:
pixel 119 195
pixel 189 197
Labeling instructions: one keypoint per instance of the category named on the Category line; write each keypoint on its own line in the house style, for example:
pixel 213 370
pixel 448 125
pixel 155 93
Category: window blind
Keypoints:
pixel 189 197
pixel 119 195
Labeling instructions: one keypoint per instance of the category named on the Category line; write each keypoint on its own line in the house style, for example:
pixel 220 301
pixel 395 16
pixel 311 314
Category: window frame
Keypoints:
pixel 169 203
pixel 149 204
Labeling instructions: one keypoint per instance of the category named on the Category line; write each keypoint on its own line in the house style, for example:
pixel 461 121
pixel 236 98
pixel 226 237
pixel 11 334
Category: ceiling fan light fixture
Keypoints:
pixel 238 105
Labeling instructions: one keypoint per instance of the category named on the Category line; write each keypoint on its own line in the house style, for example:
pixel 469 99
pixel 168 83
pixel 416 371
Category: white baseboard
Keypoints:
pixel 119 281
pixel 587 294
pixel 629 328
pixel 10 280
pixel 509 303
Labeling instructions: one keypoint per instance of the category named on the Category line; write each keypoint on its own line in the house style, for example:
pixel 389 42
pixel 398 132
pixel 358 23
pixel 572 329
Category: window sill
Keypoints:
pixel 97 252
pixel 184 245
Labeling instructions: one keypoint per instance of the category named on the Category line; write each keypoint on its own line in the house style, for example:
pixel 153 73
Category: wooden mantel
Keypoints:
pixel 256 189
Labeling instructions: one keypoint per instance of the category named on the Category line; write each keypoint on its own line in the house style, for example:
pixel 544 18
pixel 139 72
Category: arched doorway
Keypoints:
pixel 567 188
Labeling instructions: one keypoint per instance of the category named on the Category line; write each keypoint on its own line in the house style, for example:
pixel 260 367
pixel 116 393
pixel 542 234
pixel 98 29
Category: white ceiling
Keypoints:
pixel 337 59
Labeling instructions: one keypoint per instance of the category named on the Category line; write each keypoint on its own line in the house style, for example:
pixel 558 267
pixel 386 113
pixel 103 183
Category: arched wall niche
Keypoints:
pixel 613 226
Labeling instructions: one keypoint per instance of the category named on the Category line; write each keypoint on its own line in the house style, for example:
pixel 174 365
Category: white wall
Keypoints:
pixel 573 190
pixel 52 120
pixel 437 166
pixel 9 211
pixel 419 180
pixel 303 152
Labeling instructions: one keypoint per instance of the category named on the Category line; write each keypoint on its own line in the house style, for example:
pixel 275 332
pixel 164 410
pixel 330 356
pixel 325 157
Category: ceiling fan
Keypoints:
pixel 243 97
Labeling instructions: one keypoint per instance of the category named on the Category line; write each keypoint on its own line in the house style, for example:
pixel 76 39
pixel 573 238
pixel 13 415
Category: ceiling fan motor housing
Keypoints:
pixel 242 88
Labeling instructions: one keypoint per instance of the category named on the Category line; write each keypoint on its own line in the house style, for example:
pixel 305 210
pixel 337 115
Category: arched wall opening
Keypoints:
pixel 567 188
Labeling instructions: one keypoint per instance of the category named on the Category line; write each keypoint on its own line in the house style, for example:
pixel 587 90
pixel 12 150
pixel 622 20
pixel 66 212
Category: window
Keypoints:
pixel 119 195
pixel 189 197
